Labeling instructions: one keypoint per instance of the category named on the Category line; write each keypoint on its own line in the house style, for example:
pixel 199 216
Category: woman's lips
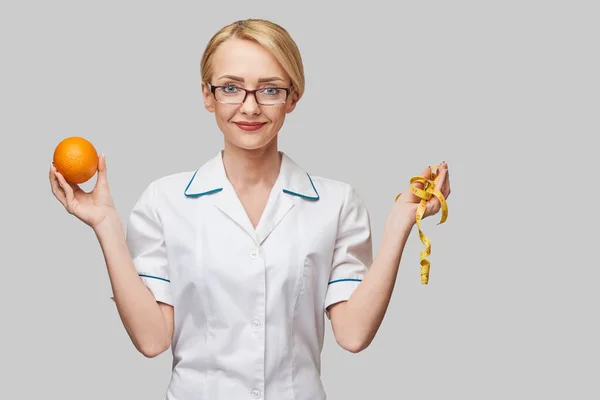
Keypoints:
pixel 250 126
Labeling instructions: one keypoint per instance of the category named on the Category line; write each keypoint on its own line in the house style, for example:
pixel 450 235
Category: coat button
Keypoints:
pixel 254 254
pixel 256 393
pixel 256 323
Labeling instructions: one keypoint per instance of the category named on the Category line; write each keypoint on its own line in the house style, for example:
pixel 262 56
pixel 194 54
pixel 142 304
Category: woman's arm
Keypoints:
pixel 148 323
pixel 356 321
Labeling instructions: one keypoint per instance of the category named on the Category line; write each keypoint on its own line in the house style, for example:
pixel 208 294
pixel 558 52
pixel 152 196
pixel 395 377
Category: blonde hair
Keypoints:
pixel 269 35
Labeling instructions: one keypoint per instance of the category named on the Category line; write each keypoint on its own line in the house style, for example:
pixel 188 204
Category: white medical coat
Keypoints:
pixel 249 304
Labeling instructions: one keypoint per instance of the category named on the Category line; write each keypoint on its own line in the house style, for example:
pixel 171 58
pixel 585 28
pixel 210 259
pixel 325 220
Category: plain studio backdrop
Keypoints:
pixel 506 92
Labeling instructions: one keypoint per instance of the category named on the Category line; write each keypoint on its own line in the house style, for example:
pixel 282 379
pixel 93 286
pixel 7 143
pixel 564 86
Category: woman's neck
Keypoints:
pixel 252 168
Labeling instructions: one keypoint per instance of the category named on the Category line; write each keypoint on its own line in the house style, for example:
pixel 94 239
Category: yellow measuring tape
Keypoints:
pixel 425 194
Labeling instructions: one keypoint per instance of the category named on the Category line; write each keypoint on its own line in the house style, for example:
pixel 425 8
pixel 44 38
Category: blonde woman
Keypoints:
pixel 237 264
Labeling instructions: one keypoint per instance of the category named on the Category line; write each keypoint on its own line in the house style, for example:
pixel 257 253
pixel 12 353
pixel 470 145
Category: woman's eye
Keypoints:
pixel 271 91
pixel 230 88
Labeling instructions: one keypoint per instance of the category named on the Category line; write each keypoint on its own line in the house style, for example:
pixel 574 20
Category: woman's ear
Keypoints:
pixel 209 100
pixel 292 101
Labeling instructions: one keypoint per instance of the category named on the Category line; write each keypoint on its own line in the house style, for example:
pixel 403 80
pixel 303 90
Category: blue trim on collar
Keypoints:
pixel 203 193
pixel 219 189
pixel 303 196
pixel 198 194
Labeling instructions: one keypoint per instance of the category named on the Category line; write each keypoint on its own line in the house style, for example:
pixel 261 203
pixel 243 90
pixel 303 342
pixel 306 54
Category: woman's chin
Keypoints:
pixel 251 142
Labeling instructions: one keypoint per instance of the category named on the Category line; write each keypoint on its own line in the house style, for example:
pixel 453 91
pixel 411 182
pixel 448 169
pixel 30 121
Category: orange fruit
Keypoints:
pixel 76 159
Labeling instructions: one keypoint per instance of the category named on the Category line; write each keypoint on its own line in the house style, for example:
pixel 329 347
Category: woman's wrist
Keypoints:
pixel 110 224
pixel 401 219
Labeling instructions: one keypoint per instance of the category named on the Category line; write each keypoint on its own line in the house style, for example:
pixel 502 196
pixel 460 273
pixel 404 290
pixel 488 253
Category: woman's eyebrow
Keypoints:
pixel 270 79
pixel 240 79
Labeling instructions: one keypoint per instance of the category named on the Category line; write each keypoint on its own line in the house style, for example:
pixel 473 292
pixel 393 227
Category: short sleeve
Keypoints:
pixel 353 252
pixel 146 244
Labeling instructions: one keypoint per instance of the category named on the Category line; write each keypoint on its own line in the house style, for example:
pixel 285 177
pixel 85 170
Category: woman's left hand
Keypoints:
pixel 406 205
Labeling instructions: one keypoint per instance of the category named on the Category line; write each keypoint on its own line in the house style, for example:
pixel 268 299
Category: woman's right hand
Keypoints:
pixel 92 208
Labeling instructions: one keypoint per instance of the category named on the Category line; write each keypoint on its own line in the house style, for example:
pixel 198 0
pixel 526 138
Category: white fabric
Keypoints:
pixel 249 303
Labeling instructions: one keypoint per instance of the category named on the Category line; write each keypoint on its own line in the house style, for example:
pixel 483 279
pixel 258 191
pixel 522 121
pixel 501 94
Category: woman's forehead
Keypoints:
pixel 247 61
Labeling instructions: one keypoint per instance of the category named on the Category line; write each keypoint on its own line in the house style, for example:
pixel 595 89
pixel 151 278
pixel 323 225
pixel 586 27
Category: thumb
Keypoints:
pixel 102 180
pixel 411 196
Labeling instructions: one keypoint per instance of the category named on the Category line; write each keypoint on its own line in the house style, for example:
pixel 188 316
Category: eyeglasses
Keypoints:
pixel 232 94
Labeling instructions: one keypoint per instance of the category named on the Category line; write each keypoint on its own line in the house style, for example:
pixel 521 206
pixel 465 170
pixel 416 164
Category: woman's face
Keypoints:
pixel 248 65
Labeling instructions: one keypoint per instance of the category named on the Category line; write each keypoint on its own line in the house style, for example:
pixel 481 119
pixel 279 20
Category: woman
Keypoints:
pixel 235 264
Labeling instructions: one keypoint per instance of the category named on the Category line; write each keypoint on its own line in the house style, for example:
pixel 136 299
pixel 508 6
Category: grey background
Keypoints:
pixel 506 92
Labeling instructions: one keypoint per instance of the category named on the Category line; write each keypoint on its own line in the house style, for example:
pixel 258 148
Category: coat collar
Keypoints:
pixel 211 178
pixel 292 185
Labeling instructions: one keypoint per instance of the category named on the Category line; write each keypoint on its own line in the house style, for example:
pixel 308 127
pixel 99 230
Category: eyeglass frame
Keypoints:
pixel 213 88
